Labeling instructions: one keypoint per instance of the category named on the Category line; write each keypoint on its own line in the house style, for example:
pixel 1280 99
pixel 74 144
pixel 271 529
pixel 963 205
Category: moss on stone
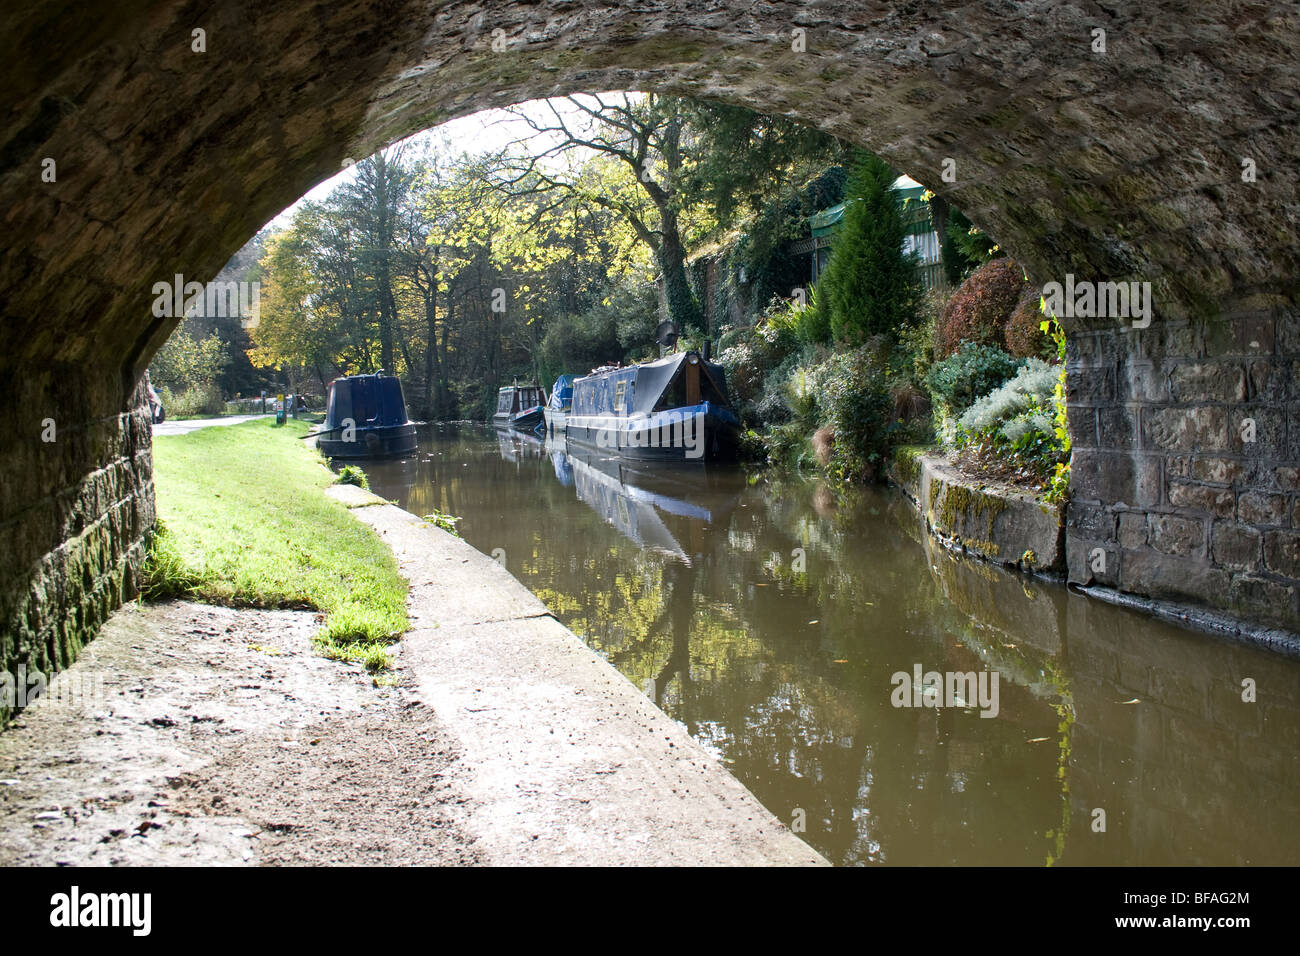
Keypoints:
pixel 907 463
pixel 982 547
pixel 960 502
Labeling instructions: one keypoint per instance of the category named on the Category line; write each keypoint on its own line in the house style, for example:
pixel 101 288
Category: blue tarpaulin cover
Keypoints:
pixel 562 392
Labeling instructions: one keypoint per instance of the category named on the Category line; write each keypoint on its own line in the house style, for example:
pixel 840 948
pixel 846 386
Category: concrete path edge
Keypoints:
pixel 565 760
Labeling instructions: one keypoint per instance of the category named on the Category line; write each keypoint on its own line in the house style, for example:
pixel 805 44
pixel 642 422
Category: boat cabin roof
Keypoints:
pixel 675 381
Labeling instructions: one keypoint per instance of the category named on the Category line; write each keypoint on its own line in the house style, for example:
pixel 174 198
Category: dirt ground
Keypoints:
pixel 206 735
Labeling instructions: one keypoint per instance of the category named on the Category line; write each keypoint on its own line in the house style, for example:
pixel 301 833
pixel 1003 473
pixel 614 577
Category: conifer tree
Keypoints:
pixel 870 286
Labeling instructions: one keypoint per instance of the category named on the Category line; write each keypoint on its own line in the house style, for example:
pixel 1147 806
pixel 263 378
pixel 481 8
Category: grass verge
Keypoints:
pixel 243 521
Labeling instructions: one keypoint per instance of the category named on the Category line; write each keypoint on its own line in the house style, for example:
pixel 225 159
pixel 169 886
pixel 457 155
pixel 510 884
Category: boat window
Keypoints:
pixel 674 396
pixel 620 397
pixel 503 399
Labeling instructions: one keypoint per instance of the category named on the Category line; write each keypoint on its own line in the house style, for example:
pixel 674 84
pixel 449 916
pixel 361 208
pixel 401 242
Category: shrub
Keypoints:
pixel 973 370
pixel 1020 400
pixel 916 342
pixel 744 373
pixel 787 446
pixel 1024 333
pixel 353 475
pixel 1017 432
pixel 198 400
pixel 750 354
pixel 967 245
pixel 856 404
pixel 814 325
pixel 979 310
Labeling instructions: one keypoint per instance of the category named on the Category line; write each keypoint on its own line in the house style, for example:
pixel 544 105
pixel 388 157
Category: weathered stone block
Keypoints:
pixel 1293 432
pixel 1090 384
pixel 1173 577
pixel 1242 335
pixel 1258 431
pixel 1224 471
pixel 1091 521
pixel 1000 523
pixel 1186 428
pixel 1143 381
pixel 1091 562
pixel 1220 382
pixel 1270 381
pixel 1132 530
pixel 1263 599
pixel 1117 427
pixel 1288 332
pixel 1172 534
pixel 1083 427
pixel 1235 547
pixel 1282 553
pixel 1257 508
pixel 1115 478
pixel 1198 497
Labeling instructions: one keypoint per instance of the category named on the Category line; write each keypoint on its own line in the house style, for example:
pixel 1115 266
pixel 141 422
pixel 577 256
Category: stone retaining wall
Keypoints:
pixel 995 522
pixel 75 511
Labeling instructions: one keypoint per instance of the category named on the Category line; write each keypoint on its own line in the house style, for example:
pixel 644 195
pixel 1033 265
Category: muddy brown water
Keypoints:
pixel 773 618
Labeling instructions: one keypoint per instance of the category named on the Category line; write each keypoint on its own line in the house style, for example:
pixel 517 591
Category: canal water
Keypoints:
pixel 776 619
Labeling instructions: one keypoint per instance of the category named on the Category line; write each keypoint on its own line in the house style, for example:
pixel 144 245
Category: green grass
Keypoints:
pixel 243 521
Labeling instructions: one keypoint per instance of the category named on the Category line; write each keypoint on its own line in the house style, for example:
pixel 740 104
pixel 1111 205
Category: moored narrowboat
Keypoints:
pixel 673 409
pixel 366 418
pixel 520 406
pixel 557 409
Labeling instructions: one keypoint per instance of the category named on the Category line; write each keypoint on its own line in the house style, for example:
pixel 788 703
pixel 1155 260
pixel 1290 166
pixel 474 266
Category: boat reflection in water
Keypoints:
pixel 519 446
pixel 680 513
pixel 640 500
pixel 560 461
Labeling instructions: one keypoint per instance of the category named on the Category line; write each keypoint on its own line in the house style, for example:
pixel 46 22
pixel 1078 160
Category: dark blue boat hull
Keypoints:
pixel 381 441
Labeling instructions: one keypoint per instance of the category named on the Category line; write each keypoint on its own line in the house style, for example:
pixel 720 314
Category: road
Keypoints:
pixel 185 427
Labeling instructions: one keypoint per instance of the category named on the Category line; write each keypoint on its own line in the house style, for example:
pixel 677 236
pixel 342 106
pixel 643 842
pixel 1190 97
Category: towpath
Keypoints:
pixel 209 735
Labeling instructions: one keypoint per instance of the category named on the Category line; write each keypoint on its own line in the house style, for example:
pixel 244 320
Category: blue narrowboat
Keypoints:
pixel 561 403
pixel 674 409
pixel 366 418
pixel 520 406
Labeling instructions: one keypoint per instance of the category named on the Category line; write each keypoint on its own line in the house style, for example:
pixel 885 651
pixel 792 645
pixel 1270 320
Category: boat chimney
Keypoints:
pixel 708 349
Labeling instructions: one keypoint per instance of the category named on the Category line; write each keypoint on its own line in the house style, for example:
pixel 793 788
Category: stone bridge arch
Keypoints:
pixel 1123 164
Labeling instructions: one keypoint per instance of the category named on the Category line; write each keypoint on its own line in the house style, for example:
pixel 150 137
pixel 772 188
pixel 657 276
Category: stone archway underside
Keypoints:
pixel 1122 165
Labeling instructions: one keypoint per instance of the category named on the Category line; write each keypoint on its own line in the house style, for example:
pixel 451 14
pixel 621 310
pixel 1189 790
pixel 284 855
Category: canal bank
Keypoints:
pixel 564 760
pixel 1009 526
